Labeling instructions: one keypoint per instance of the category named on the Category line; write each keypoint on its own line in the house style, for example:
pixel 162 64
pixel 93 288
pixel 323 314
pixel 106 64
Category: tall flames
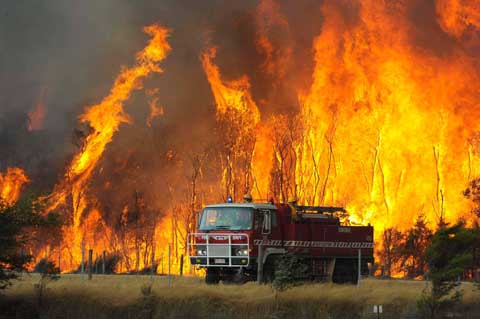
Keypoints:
pixel 104 120
pixel 385 126
pixel 389 124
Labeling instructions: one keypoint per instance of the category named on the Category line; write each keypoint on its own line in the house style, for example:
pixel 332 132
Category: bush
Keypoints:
pixel 289 270
pixel 448 255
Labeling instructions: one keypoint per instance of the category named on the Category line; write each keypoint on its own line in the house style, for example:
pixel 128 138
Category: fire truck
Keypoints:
pixel 239 242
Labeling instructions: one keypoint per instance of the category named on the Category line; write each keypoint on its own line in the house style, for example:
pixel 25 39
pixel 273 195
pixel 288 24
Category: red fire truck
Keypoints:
pixel 238 242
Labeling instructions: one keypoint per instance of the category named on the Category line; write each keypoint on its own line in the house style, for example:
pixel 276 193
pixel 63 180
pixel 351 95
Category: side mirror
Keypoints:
pixel 267 222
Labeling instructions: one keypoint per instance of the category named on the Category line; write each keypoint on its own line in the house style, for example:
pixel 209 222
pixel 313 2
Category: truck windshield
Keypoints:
pixel 233 218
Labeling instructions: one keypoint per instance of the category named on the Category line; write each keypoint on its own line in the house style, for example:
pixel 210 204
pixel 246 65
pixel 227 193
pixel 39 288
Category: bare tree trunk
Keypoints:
pixel 439 191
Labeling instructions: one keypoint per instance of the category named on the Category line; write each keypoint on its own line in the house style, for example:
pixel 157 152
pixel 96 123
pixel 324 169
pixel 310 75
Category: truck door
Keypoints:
pixel 276 234
pixel 268 226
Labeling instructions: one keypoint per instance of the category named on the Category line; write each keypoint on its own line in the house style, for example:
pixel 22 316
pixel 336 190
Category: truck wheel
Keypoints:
pixel 239 278
pixel 345 272
pixel 212 277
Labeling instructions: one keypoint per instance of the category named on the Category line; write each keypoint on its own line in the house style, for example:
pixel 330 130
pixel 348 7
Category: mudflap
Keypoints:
pixel 213 276
pixel 227 275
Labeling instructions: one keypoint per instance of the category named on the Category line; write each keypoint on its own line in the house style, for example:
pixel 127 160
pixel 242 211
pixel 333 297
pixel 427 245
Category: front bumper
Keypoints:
pixel 218 249
pixel 219 261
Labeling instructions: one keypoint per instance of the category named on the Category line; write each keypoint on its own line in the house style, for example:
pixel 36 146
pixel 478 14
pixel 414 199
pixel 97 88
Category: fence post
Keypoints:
pixel 154 269
pixel 96 263
pixel 169 265
pixel 181 265
pixel 161 262
pixel 90 257
pixel 103 262
pixel 82 266
pixel 359 266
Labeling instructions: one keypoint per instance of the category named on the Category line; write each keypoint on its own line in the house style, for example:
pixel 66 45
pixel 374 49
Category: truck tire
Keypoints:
pixel 212 277
pixel 239 278
pixel 345 272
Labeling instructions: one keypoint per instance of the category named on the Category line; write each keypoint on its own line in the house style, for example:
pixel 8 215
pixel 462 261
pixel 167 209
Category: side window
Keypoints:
pixel 258 224
pixel 267 222
pixel 274 218
pixel 258 220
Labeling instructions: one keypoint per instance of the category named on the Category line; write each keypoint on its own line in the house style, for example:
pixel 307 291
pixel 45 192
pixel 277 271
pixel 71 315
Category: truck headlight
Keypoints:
pixel 240 251
pixel 200 251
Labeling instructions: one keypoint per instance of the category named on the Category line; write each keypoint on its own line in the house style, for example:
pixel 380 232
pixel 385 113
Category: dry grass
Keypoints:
pixel 122 297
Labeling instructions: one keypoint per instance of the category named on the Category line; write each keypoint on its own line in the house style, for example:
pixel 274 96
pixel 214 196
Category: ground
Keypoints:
pixel 131 296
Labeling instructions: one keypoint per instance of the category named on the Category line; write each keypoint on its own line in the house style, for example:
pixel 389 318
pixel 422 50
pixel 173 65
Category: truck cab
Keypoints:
pixel 225 237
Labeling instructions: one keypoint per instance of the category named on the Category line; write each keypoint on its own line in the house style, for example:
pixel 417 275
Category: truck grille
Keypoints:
pixel 218 250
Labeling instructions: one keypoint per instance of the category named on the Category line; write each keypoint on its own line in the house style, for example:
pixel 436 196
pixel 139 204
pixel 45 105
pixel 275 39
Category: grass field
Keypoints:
pixel 131 296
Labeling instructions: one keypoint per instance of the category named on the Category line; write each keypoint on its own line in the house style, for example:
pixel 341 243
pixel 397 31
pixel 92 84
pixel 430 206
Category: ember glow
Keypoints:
pixel 11 184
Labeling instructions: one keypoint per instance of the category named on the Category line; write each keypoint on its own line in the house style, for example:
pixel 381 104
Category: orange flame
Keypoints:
pixel 155 110
pixel 456 16
pixel 232 95
pixel 276 57
pixel 236 106
pixel 37 115
pixel 11 184
pixel 384 137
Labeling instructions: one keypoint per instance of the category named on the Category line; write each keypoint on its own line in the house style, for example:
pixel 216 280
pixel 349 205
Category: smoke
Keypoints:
pixel 74 50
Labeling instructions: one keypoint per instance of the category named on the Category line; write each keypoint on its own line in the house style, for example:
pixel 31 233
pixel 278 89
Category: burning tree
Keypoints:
pixel 413 249
pixel 287 132
pixel 472 192
pixel 238 116
pixel 390 251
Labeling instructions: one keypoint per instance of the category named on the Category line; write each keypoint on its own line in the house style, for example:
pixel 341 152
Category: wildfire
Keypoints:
pixel 11 184
pixel 386 125
pixel 104 120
